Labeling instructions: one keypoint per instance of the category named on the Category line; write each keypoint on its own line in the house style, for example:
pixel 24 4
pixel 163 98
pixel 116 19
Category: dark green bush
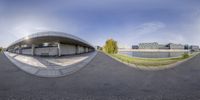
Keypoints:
pixel 185 55
pixel 1 49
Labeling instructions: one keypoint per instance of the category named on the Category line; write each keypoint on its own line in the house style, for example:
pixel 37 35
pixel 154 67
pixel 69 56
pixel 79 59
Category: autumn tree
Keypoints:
pixel 110 46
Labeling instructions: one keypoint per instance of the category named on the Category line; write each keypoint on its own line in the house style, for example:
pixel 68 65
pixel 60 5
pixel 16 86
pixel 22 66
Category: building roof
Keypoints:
pixel 49 36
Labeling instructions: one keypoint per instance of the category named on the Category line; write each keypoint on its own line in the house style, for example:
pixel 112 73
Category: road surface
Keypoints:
pixel 103 79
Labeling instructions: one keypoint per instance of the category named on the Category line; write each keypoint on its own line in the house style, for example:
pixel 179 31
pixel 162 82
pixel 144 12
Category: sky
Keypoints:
pixel 129 22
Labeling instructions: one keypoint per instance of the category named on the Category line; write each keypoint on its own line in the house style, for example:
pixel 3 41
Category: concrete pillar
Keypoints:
pixel 20 49
pixel 15 51
pixel 59 49
pixel 84 49
pixel 76 49
pixel 33 49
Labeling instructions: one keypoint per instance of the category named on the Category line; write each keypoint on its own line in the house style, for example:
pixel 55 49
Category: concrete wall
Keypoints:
pixel 27 51
pixel 67 49
pixel 17 51
pixel 51 51
pixel 80 49
pixel 90 50
pixel 86 49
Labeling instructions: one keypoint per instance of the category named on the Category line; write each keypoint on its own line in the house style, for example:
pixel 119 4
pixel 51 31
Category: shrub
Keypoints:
pixel 110 46
pixel 1 49
pixel 99 48
pixel 185 55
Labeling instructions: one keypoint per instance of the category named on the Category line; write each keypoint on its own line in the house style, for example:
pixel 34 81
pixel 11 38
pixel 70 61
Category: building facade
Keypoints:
pixel 50 44
pixel 161 46
pixel 194 48
pixel 153 45
pixel 176 46
pixel 135 47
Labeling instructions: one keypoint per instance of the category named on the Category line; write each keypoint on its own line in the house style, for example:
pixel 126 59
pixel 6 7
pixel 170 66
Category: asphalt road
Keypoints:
pixel 103 79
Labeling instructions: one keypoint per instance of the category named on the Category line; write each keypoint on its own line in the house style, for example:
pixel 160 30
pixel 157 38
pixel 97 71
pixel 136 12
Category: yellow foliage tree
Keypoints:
pixel 110 46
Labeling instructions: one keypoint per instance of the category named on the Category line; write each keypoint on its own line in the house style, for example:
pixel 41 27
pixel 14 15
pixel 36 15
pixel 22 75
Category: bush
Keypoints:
pixel 185 55
pixel 110 46
pixel 1 49
pixel 99 48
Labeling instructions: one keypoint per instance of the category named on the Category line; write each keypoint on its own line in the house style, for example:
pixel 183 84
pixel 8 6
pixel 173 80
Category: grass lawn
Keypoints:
pixel 148 61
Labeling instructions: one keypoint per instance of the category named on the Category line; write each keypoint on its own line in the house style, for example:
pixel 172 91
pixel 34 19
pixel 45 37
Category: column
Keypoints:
pixel 76 46
pixel 33 49
pixel 20 49
pixel 59 49
pixel 84 49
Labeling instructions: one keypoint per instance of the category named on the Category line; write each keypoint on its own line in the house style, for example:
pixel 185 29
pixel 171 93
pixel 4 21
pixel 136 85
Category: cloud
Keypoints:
pixel 140 33
pixel 149 27
pixel 18 26
pixel 128 21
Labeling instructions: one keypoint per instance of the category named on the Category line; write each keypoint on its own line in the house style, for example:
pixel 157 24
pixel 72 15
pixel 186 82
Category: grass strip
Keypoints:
pixel 149 61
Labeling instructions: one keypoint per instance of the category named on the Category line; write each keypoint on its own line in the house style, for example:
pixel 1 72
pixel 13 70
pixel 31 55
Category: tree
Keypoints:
pixel 185 55
pixel 110 46
pixel 99 48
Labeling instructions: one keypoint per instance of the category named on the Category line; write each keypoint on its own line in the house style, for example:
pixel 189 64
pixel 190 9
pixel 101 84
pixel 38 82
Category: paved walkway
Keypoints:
pixel 103 79
pixel 50 66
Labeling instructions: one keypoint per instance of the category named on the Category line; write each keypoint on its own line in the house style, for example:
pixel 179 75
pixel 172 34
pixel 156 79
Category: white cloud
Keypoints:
pixel 18 26
pixel 139 33
pixel 149 27
pixel 17 21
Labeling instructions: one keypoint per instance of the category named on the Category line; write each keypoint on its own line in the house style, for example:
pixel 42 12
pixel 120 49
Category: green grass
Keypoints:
pixel 149 61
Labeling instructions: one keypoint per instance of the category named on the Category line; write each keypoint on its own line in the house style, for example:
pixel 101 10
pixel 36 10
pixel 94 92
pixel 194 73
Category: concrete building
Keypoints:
pixel 135 47
pixel 194 48
pixel 50 44
pixel 153 45
pixel 170 46
pixel 162 46
pixel 176 46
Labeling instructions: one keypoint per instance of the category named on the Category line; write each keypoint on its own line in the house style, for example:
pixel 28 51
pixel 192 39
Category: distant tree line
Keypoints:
pixel 110 46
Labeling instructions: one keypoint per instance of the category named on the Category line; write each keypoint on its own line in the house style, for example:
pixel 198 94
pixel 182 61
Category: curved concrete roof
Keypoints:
pixel 49 36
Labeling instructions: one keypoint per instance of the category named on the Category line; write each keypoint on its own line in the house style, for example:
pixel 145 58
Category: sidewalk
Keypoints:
pixel 50 66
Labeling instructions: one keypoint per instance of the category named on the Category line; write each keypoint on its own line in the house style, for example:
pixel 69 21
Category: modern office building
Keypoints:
pixel 135 47
pixel 194 48
pixel 153 45
pixel 50 44
pixel 162 46
pixel 176 46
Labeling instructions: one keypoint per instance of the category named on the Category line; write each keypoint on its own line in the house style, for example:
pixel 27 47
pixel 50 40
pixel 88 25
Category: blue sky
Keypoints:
pixel 127 21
